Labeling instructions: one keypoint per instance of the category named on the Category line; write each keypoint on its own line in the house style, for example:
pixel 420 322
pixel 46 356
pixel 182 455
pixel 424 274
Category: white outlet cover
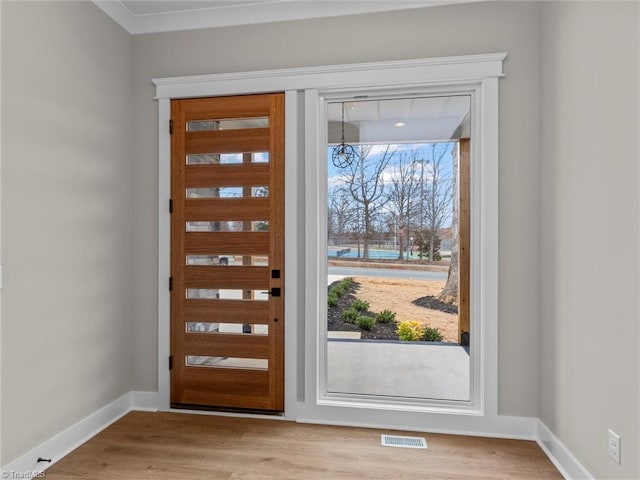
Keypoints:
pixel 614 446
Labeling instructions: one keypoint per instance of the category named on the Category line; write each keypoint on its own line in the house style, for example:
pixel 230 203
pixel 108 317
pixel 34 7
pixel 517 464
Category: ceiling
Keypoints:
pixel 150 16
pixel 401 120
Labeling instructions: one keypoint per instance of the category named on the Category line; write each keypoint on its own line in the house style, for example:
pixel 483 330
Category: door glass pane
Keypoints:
pixel 230 260
pixel 225 158
pixel 208 327
pixel 226 294
pixel 205 159
pixel 228 192
pixel 229 226
pixel 203 293
pixel 261 157
pixel 394 193
pixel 247 329
pixel 227 124
pixel 228 362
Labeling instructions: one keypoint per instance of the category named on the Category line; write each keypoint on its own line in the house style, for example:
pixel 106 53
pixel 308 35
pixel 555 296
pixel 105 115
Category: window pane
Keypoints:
pixel 230 260
pixel 229 226
pixel 227 362
pixel 213 328
pixel 227 124
pixel 226 294
pixel 228 192
pixel 225 158
pixel 394 202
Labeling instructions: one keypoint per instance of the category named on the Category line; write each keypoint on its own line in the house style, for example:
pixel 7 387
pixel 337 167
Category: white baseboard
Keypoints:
pixel 560 456
pixel 64 442
pixel 513 428
pixel 144 401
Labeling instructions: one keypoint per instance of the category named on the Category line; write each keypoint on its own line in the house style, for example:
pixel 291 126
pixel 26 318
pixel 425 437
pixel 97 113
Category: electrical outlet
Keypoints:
pixel 614 446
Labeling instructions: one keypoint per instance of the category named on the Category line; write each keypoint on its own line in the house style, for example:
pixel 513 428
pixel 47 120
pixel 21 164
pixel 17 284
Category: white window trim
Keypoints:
pixel 317 208
pixel 303 265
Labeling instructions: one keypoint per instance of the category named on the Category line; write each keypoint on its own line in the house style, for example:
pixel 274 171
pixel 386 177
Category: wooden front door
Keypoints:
pixel 227 252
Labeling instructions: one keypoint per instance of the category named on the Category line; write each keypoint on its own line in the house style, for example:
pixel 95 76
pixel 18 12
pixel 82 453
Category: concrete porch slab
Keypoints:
pixel 403 369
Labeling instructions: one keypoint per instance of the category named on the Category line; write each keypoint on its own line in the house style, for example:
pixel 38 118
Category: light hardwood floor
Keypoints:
pixel 162 446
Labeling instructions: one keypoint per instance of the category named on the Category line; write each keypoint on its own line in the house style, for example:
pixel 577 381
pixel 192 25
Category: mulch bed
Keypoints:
pixel 380 331
pixel 433 303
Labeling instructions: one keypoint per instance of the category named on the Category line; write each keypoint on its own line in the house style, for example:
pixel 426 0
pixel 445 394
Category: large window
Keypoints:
pixel 397 327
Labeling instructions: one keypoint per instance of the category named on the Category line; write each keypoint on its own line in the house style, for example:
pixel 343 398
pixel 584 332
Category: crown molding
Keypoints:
pixel 416 71
pixel 227 16
pixel 118 13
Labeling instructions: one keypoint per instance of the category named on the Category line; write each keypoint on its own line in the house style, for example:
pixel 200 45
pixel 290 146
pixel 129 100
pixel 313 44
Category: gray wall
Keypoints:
pixel 589 231
pixel 431 32
pixel 79 194
pixel 66 218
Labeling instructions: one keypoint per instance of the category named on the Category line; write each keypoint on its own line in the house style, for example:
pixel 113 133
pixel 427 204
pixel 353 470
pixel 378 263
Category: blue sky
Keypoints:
pixel 423 150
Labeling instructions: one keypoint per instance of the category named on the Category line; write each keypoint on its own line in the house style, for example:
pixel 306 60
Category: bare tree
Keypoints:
pixel 363 179
pixel 438 191
pixel 404 187
pixel 342 213
pixel 262 225
pixel 449 293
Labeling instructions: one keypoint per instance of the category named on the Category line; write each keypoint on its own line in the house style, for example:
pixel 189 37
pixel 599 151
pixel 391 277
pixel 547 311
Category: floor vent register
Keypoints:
pixel 403 442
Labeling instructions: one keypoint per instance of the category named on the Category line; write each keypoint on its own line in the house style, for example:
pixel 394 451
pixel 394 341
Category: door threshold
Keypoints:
pixel 219 409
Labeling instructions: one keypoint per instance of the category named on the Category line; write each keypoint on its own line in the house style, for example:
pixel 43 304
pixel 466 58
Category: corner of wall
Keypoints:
pixel 561 457
pixel 1 257
pixel 62 443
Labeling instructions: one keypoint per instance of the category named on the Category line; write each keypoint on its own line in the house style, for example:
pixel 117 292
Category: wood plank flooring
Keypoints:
pixel 160 446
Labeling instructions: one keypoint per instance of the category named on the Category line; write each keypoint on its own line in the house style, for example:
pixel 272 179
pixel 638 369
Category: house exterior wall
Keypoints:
pixel 66 218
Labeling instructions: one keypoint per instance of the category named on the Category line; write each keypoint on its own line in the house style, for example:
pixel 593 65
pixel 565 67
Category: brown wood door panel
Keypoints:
pixel 247 278
pixel 227 243
pixel 230 370
pixel 228 141
pixel 232 175
pixel 227 311
pixel 226 209
pixel 226 388
pixel 227 345
pixel 215 108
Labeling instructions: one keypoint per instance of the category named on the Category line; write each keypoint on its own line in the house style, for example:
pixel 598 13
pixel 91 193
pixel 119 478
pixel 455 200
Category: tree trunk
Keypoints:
pixel 367 231
pixel 449 293
pixel 431 246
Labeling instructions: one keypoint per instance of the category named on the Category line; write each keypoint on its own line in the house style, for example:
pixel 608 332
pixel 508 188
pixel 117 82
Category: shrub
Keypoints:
pixel 348 281
pixel 410 330
pixel 332 300
pixel 364 322
pixel 350 315
pixel 360 305
pixel 431 335
pixel 338 290
pixel 386 316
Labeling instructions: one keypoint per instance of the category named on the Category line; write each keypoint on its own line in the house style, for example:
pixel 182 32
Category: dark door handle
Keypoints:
pixel 274 292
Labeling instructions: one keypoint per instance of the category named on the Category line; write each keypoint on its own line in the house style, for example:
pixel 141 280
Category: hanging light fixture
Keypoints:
pixel 343 154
